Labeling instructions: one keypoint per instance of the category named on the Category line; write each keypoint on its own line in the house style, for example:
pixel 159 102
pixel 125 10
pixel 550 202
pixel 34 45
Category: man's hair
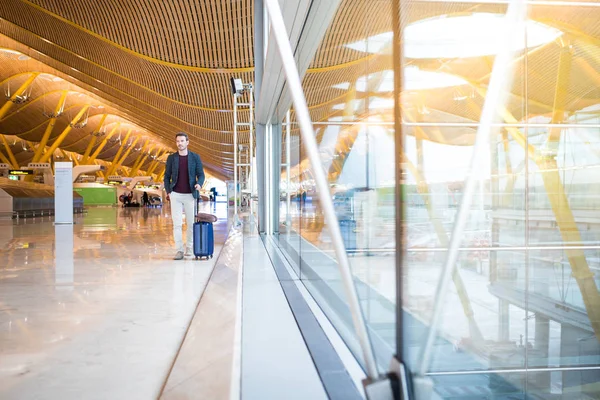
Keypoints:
pixel 182 134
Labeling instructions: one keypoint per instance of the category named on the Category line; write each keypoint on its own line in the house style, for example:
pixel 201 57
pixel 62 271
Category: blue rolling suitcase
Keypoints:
pixel 204 239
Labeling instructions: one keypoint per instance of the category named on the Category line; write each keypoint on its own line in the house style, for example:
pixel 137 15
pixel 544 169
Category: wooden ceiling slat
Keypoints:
pixel 199 36
pixel 248 20
pixel 181 28
pixel 214 28
pixel 228 35
pixel 189 28
pixel 219 15
pixel 69 10
pixel 209 34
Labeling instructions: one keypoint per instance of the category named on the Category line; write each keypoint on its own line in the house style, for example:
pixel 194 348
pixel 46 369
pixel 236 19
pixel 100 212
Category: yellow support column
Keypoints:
pixel 31 145
pixel 137 160
pixel 66 156
pixel 9 103
pixel 103 143
pixel 571 236
pixel 50 127
pixel 116 157
pixel 9 152
pixel 118 164
pixel 88 150
pixel 153 164
pixel 29 178
pixel 156 163
pixel 160 175
pixel 4 159
pixel 63 135
pixel 566 224
pixel 139 164
pixel 461 290
pixel 560 94
pixel 151 168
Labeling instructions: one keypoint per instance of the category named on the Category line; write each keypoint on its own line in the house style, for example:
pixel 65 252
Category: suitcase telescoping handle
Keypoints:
pixel 197 206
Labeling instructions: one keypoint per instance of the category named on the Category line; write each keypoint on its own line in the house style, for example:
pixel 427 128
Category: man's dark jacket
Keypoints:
pixel 195 172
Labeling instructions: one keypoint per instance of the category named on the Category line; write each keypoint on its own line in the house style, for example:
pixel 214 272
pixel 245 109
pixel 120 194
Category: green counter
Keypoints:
pixel 97 196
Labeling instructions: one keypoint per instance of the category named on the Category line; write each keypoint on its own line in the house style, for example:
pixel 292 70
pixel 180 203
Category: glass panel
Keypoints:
pixel 351 76
pixel 529 296
pixel 449 48
pixel 564 192
pixel 349 89
pixel 480 386
pixel 482 327
pixel 290 196
pixel 362 185
pixel 434 183
pixel 567 384
pixel 561 291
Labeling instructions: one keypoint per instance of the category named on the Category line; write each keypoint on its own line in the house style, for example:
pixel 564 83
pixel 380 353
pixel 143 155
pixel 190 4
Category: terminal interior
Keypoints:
pixel 440 240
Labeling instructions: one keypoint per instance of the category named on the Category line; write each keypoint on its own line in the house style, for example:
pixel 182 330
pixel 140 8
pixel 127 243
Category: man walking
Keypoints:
pixel 184 176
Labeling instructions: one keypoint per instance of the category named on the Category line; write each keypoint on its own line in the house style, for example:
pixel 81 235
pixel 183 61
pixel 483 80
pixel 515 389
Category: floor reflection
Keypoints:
pixel 96 309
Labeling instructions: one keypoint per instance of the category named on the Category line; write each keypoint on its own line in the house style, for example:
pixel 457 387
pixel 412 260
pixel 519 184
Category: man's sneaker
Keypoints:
pixel 179 255
pixel 188 252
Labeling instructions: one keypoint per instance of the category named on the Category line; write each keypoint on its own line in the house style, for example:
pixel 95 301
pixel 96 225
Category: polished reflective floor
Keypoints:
pixel 97 309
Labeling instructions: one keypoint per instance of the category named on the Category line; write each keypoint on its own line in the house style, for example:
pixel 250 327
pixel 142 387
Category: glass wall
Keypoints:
pixel 349 89
pixel 521 315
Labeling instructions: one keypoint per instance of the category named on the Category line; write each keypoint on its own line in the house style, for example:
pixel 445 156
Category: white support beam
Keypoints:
pixel 84 169
pixel 306 22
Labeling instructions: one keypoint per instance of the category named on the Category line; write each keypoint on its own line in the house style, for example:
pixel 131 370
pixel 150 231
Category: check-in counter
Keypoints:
pixel 96 194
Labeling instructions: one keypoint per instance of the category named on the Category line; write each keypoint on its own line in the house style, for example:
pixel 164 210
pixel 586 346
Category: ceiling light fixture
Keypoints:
pixel 238 87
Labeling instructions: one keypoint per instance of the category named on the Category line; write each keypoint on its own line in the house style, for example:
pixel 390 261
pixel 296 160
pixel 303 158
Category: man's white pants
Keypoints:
pixel 179 202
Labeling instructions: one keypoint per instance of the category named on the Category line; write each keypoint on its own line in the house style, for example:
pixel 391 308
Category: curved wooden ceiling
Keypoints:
pixel 337 68
pixel 164 65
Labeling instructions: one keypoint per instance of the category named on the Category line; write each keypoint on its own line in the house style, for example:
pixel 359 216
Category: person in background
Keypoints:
pixel 184 177
pixel 145 199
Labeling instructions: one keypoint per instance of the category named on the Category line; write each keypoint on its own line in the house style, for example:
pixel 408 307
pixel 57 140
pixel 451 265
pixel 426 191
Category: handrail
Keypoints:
pixel 310 143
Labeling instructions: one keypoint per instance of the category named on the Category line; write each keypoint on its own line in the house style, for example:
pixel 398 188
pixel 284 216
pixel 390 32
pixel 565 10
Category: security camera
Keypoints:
pixel 237 87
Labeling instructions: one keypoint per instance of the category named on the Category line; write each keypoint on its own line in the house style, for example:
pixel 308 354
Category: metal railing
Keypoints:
pixel 308 139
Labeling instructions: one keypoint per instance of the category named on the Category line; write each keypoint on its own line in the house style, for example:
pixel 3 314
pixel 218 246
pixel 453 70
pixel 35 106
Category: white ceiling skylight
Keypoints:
pixel 593 109
pixel 343 86
pixel 414 79
pixel 378 103
pixel 373 44
pixel 475 35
